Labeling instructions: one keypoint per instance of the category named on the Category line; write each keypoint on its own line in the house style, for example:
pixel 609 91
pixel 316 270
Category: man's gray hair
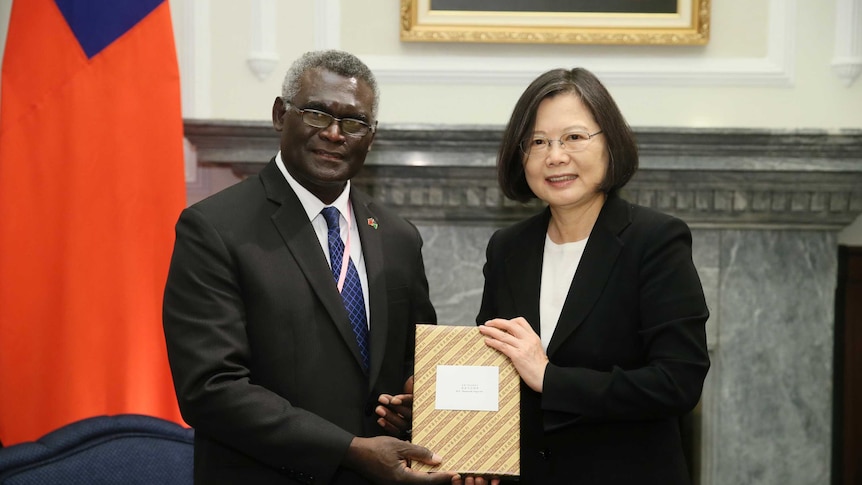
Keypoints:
pixel 340 62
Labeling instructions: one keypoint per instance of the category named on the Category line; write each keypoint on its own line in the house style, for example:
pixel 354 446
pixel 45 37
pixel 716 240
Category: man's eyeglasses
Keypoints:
pixel 321 119
pixel 573 141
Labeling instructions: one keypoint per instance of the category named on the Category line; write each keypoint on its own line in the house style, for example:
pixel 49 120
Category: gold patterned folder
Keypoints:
pixel 470 442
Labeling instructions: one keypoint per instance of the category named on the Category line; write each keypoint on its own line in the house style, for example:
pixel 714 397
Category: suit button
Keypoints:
pixel 545 454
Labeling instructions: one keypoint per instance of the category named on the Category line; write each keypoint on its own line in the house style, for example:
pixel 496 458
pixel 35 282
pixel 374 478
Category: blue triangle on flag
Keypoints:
pixel 97 23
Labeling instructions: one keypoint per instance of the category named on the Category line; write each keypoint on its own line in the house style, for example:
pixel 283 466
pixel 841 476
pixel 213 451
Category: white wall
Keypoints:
pixel 767 65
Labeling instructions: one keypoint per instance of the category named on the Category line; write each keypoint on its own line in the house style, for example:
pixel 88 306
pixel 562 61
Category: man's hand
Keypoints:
pixel 384 459
pixel 396 412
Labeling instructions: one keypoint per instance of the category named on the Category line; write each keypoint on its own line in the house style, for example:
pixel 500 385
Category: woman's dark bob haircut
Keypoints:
pixel 622 147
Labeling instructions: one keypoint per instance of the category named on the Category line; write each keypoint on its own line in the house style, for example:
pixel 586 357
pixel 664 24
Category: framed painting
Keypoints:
pixel 647 22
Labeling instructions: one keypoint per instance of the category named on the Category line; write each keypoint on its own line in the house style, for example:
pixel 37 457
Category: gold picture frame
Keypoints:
pixel 688 25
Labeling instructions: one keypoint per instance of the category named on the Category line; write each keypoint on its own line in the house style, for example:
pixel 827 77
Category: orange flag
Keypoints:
pixel 91 184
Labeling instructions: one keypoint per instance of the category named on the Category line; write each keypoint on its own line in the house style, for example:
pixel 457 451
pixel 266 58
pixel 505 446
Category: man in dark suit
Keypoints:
pixel 270 365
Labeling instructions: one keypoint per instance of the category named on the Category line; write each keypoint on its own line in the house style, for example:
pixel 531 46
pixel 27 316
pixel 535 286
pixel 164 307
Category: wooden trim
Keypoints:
pixel 847 411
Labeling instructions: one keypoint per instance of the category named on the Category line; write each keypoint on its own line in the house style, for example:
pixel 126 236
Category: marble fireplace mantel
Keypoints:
pixel 709 177
pixel 765 207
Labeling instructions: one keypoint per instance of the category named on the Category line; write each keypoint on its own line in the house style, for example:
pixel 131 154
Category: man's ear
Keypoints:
pixel 373 134
pixel 278 110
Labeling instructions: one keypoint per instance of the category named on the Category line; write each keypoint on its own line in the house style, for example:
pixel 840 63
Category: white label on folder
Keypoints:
pixel 468 388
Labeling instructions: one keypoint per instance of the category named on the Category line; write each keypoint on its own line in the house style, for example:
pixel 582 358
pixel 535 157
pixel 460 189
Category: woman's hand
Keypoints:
pixel 516 339
pixel 474 480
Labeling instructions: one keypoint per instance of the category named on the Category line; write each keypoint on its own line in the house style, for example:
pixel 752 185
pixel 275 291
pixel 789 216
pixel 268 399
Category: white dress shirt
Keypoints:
pixel 313 206
pixel 558 270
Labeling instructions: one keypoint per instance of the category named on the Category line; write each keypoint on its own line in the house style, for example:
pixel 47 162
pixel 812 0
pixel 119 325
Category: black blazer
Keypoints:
pixel 628 356
pixel 265 365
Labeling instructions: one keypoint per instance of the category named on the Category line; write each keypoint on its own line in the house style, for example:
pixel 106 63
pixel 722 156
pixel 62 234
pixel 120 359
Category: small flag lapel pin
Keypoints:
pixel 372 222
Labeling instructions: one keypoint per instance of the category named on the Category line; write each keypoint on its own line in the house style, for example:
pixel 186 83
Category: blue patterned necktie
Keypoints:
pixel 351 292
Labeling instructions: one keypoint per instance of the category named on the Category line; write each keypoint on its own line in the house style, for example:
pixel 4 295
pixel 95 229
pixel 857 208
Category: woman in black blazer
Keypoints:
pixel 595 300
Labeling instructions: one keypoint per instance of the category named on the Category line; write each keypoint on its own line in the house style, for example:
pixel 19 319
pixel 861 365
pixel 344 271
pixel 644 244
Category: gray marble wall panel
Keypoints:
pixel 706 251
pixel 772 419
pixel 454 256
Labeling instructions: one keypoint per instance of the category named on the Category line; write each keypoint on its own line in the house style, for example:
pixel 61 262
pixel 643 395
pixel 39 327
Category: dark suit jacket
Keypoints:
pixel 628 356
pixel 265 365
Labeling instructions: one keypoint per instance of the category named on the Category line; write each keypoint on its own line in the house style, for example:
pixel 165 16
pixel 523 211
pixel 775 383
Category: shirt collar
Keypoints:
pixel 309 201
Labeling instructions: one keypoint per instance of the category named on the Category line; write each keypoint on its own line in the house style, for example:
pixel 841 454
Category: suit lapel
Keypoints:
pixel 292 223
pixel 595 267
pixel 524 268
pixel 372 250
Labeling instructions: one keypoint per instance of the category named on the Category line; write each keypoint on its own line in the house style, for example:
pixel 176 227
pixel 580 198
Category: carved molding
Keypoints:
pixel 709 177
pixel 194 57
pixel 263 56
pixel 327 24
pixel 847 59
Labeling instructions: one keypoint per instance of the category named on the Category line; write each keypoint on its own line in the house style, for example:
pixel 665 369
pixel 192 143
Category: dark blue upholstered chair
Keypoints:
pixel 102 450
